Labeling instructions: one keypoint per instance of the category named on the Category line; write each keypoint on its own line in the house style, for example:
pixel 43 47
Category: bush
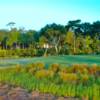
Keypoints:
pixel 18 52
pixel 40 65
pixel 31 68
pixel 3 53
pixel 55 67
pixel 18 68
pixel 68 77
pixel 41 74
pixel 40 52
pixel 84 78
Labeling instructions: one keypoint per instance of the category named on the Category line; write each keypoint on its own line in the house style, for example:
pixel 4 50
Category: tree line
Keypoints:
pixel 54 39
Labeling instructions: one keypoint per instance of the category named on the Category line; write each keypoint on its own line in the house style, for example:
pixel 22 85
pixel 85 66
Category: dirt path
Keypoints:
pixel 9 92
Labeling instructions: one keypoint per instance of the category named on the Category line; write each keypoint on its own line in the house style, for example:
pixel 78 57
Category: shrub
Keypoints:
pixel 44 74
pixel 71 77
pixel 3 53
pixel 40 65
pixel 50 73
pixel 75 67
pixel 85 77
pixel 85 71
pixel 93 69
pixel 82 68
pixel 55 67
pixel 31 68
pixel 18 68
pixel 41 74
pixel 64 69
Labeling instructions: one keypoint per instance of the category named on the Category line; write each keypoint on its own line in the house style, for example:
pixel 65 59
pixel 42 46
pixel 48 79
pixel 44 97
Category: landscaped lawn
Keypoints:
pixel 66 59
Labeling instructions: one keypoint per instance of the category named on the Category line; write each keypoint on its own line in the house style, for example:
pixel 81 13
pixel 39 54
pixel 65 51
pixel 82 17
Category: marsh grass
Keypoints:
pixel 53 81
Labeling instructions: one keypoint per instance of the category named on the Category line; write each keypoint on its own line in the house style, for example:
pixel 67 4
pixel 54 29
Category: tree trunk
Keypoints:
pixel 56 48
pixel 45 53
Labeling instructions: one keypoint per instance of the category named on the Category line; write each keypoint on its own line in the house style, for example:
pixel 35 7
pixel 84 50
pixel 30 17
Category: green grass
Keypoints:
pixel 66 59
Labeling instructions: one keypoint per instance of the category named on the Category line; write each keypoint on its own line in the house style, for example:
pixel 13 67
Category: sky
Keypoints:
pixel 35 14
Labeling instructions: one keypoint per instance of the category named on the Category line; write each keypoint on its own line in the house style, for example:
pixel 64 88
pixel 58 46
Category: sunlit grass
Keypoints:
pixel 64 60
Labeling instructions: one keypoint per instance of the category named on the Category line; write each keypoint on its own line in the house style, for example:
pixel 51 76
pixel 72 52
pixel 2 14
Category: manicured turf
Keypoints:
pixel 68 59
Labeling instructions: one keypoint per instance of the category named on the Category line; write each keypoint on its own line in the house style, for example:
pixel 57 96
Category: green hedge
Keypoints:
pixel 18 52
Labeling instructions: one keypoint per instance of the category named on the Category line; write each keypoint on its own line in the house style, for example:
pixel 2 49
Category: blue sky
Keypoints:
pixel 34 14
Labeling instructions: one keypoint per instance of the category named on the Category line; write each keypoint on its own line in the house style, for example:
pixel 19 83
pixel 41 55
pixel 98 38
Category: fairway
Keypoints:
pixel 66 60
